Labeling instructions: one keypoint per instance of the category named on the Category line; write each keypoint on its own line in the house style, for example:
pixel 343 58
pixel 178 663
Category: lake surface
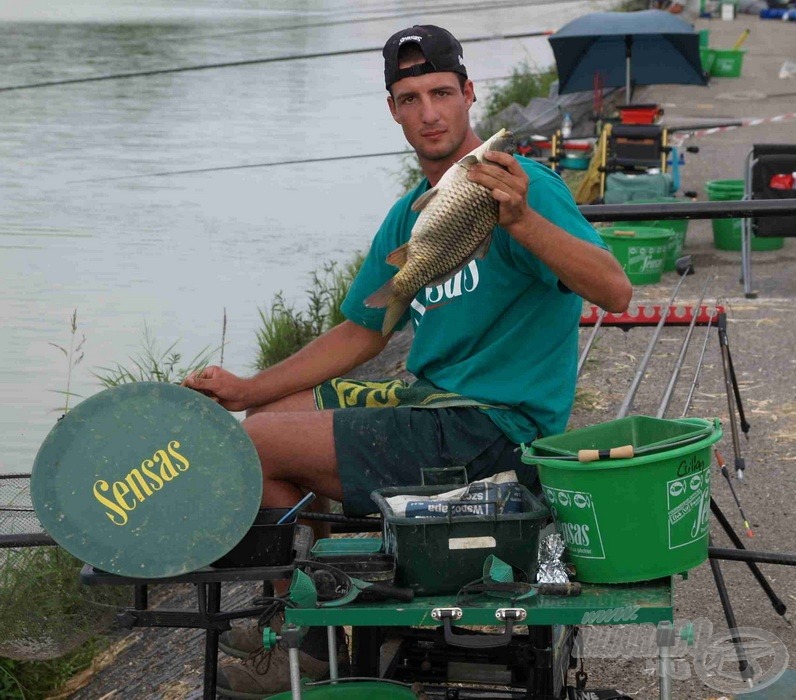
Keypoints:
pixel 88 226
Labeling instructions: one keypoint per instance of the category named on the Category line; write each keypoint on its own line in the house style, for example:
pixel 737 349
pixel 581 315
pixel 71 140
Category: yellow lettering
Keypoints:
pixel 146 466
pixel 101 485
pixel 173 445
pixel 131 483
pixel 140 482
pixel 167 470
pixel 120 490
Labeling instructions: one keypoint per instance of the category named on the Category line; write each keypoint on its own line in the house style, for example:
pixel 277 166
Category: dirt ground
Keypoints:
pixel 165 664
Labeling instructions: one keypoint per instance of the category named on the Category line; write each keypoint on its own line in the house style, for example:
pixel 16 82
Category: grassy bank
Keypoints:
pixel 285 329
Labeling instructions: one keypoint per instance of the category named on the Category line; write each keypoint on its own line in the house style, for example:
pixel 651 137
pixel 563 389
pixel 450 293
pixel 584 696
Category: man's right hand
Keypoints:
pixel 220 385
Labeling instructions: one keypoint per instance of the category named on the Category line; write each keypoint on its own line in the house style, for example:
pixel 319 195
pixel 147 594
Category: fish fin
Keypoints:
pixel 483 247
pixel 420 203
pixel 468 161
pixel 399 256
pixel 395 309
pixel 381 297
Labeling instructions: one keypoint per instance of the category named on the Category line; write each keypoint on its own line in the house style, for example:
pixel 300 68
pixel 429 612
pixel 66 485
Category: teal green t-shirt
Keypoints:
pixel 502 331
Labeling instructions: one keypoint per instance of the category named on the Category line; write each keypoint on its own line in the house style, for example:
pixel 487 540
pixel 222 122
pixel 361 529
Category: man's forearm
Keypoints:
pixel 584 268
pixel 332 354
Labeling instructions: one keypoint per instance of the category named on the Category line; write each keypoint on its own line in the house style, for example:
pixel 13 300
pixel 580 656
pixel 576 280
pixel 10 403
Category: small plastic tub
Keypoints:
pixel 264 544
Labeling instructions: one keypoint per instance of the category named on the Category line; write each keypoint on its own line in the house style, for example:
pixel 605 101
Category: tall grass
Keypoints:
pixel 285 330
pixel 74 356
pixel 154 364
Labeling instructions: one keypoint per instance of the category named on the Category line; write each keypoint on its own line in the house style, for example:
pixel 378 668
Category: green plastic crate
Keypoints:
pixel 337 546
pixel 439 555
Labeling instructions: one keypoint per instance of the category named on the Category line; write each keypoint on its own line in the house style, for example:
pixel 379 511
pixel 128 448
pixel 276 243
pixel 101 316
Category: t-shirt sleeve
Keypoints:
pixel 549 197
pixel 376 271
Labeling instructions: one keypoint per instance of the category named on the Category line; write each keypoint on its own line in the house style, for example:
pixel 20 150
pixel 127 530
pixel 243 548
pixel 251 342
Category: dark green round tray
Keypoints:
pixel 147 480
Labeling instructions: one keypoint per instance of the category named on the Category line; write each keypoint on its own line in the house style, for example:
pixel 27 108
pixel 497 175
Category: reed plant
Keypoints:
pixel 74 356
pixel 153 364
pixel 284 330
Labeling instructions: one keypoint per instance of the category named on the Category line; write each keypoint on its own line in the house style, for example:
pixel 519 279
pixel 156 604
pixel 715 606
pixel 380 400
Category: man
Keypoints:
pixel 499 340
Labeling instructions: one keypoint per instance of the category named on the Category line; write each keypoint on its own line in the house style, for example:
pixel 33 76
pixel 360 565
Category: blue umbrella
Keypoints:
pixel 627 48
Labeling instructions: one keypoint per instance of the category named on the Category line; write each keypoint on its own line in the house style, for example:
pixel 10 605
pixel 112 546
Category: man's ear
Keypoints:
pixel 469 93
pixel 393 111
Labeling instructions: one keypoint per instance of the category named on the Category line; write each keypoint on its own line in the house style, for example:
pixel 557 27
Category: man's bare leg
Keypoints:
pixel 300 402
pixel 297 455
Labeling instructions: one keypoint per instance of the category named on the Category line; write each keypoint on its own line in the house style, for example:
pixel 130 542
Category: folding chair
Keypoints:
pixel 763 163
pixel 634 160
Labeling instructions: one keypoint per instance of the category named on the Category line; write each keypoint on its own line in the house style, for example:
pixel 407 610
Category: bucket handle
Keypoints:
pixel 623 452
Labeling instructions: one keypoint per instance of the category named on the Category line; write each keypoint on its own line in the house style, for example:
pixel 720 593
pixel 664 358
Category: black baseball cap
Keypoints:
pixel 442 51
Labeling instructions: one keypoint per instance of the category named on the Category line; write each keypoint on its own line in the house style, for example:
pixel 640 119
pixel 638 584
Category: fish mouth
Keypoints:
pixel 505 142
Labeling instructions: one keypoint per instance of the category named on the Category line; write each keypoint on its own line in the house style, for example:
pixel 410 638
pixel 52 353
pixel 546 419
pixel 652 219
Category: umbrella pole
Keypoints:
pixel 628 51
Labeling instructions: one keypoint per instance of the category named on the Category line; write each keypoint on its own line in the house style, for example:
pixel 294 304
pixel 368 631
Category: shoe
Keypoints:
pixel 243 640
pixel 267 672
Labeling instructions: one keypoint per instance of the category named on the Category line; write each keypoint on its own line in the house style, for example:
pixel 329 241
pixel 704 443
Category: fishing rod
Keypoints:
pixel 695 381
pixel 684 267
pixel 247 62
pixel 733 396
pixel 268 164
pixel 590 341
pixel 406 12
pixel 667 395
pixel 726 474
pixel 779 607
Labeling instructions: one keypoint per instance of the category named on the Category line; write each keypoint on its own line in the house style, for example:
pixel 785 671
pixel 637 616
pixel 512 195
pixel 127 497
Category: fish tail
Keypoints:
pixel 395 309
pixel 383 297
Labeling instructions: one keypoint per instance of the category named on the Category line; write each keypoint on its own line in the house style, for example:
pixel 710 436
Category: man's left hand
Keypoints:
pixel 508 183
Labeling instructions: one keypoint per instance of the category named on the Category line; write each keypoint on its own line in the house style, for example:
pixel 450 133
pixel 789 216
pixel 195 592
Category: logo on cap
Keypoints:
pixel 404 39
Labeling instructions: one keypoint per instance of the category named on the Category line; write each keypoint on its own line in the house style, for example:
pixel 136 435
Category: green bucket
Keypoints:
pixel 641 250
pixel 678 227
pixel 707 57
pixel 661 497
pixel 727 63
pixel 727 233
pixel 354 689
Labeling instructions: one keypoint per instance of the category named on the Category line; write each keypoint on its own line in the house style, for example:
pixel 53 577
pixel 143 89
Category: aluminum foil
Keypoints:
pixel 551 568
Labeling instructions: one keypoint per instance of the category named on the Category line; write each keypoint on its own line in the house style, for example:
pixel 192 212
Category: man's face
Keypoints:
pixel 433 112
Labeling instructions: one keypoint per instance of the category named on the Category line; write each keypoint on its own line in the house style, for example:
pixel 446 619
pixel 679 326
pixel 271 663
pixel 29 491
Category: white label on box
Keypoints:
pixel 472 543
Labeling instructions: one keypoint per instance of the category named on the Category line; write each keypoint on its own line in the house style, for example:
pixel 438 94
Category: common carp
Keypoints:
pixel 455 225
